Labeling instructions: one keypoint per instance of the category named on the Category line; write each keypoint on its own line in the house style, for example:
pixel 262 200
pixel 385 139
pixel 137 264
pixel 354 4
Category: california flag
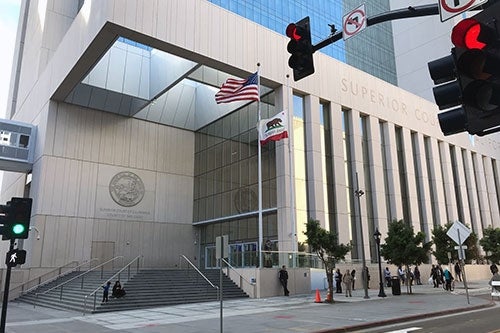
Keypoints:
pixel 273 129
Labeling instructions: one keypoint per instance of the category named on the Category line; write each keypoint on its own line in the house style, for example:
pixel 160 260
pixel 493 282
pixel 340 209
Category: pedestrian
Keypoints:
pixel 387 275
pixel 416 274
pixel 448 278
pixel 105 292
pixel 401 274
pixel 493 269
pixel 283 277
pixel 348 281
pixel 440 275
pixel 338 281
pixel 458 271
pixel 353 275
pixel 367 275
pixel 117 291
pixel 434 276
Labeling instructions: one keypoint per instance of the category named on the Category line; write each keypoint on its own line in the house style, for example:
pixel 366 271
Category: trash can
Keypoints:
pixel 396 285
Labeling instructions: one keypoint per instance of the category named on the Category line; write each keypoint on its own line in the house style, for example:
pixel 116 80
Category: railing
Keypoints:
pixel 40 278
pixel 116 275
pixel 80 276
pixel 17 292
pixel 197 270
pixel 242 278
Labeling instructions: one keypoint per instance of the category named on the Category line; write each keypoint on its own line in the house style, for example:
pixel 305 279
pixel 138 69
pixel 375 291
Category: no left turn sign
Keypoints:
pixel 450 8
pixel 353 22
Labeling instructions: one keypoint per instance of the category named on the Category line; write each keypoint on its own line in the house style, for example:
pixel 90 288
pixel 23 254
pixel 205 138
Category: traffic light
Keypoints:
pixel 468 79
pixel 300 47
pixel 15 218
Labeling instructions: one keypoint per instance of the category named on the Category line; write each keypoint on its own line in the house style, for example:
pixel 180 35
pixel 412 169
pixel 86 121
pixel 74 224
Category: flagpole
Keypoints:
pixel 290 157
pixel 259 153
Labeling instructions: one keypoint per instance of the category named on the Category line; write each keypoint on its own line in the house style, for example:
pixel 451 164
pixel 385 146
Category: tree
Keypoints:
pixel 491 243
pixel 403 248
pixel 444 245
pixel 326 245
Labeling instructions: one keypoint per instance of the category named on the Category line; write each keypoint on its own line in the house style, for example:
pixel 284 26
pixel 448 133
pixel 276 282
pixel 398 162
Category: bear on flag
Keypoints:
pixel 273 129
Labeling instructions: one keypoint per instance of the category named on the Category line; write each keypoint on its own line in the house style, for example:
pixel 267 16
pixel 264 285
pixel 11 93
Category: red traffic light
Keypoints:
pixel 291 31
pixel 470 34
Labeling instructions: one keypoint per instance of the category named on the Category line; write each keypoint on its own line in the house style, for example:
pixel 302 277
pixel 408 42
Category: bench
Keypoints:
pixel 495 289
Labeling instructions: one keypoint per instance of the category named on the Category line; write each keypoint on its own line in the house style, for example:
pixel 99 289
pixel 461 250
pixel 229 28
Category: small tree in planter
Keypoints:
pixel 326 245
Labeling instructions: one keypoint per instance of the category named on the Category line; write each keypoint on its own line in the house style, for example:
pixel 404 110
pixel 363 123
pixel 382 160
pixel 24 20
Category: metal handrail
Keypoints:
pixel 59 275
pixel 61 285
pixel 197 270
pixel 117 274
pixel 241 276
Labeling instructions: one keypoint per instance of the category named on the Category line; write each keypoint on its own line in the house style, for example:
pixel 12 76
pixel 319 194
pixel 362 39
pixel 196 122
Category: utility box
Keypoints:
pixel 17 145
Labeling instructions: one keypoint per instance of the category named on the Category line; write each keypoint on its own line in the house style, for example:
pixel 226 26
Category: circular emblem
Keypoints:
pixel 245 200
pixel 126 189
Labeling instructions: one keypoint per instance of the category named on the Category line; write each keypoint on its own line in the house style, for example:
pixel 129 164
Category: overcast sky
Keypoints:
pixel 9 13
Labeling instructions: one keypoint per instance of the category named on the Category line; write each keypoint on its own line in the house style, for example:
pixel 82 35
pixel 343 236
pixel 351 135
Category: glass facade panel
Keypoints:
pixel 226 184
pixel 372 51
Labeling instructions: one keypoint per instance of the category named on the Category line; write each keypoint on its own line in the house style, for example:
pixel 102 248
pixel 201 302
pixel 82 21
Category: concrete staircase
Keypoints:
pixel 73 294
pixel 147 288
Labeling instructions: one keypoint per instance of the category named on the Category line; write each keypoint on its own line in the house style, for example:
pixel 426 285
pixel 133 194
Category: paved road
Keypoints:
pixel 297 313
pixel 478 321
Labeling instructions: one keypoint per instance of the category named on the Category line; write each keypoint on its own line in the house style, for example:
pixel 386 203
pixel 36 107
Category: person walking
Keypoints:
pixel 448 279
pixel 416 274
pixel 283 277
pixel 105 293
pixel 348 282
pixel 434 276
pixel 458 271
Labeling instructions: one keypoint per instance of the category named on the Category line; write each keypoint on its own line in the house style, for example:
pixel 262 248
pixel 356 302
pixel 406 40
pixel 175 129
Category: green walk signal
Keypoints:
pixel 18 229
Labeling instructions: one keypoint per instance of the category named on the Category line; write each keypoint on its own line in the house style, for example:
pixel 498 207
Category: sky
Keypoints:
pixel 9 14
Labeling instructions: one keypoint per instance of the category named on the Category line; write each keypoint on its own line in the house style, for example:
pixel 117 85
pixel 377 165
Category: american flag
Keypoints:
pixel 239 90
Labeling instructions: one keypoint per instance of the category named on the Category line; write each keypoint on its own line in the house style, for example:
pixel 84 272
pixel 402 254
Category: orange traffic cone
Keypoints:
pixel 329 298
pixel 318 297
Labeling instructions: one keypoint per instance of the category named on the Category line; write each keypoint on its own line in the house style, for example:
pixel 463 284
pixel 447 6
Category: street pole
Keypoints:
pixel 381 292
pixel 358 193
pixel 6 292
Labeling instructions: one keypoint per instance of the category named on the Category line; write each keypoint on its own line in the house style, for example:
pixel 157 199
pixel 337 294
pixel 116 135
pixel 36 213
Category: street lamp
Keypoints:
pixel 377 235
pixel 358 193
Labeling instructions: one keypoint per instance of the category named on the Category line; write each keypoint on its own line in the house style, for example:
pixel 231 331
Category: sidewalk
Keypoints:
pixel 297 313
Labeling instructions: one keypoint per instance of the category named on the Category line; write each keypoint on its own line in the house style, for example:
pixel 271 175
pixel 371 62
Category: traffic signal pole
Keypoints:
pixel 6 292
pixel 417 11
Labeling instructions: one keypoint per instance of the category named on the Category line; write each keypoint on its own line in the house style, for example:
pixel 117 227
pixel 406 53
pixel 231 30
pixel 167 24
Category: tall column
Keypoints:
pixel 342 213
pixel 315 173
pixel 422 180
pixel 377 184
pixel 448 182
pixel 394 185
pixel 437 184
pixel 481 191
pixel 463 205
pixel 286 231
pixel 410 179
pixel 492 191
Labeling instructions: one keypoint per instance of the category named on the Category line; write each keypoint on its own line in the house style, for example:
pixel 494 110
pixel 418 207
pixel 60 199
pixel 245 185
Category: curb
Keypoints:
pixel 403 319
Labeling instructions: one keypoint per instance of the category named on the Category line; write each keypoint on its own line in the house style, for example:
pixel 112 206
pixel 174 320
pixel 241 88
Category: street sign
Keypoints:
pixel 353 22
pixel 461 251
pixel 450 8
pixel 458 232
pixel 221 247
pixel 15 257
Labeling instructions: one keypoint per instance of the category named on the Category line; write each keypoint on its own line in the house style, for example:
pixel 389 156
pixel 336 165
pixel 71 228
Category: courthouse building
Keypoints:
pixel 134 157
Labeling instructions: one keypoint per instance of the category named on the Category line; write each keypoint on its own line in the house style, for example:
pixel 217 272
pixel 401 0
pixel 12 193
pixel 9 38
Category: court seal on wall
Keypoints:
pixel 126 188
